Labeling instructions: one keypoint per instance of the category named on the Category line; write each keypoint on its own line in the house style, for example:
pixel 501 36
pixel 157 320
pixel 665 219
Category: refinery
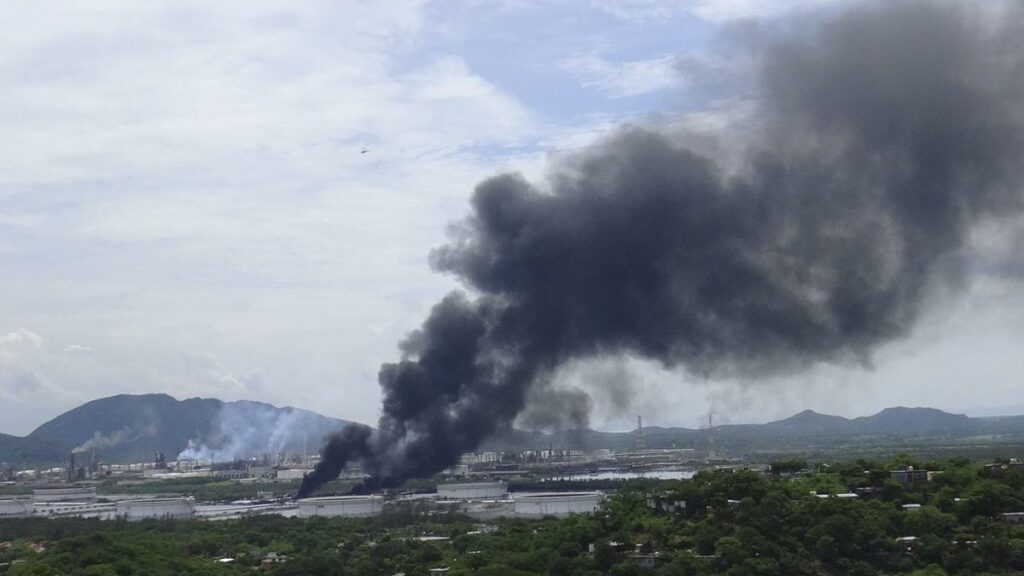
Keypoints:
pixel 478 486
pixel 479 500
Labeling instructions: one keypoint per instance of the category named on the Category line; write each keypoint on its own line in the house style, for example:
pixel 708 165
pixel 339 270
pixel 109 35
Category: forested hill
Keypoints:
pixel 128 428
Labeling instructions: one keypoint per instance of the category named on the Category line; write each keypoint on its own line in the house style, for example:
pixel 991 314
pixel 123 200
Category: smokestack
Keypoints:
pixel 879 141
pixel 70 472
pixel 711 437
pixel 641 444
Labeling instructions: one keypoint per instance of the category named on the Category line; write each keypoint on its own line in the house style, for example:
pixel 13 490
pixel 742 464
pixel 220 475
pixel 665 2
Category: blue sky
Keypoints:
pixel 185 208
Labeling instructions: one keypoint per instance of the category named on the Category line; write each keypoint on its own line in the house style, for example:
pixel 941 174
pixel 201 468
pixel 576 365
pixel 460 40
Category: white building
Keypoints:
pixel 488 510
pixel 291 474
pixel 351 506
pixel 12 507
pixel 473 491
pixel 560 504
pixel 156 508
pixel 70 494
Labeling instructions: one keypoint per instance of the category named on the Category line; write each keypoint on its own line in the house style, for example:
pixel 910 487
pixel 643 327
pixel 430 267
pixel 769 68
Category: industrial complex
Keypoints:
pixel 478 486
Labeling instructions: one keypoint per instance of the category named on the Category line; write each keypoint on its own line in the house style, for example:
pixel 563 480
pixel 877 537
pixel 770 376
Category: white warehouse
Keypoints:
pixel 15 507
pixel 350 506
pixel 560 504
pixel 473 491
pixel 156 508
pixel 68 494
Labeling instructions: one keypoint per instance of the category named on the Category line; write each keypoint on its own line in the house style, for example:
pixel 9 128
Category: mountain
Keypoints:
pixel 131 428
pixel 135 427
pixel 914 421
pixel 810 422
pixel 805 432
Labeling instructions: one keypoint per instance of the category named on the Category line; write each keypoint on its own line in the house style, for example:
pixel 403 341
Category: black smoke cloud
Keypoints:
pixel 879 140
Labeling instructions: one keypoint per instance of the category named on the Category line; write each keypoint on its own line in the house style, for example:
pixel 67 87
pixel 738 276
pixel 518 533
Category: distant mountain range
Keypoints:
pixel 807 431
pixel 132 428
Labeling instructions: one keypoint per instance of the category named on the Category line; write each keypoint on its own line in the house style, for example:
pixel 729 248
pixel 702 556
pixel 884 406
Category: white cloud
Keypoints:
pixel 208 376
pixel 26 378
pixel 620 80
pixel 722 10
pixel 719 76
pixel 77 349
pixel 20 341
pixel 659 11
pixel 181 176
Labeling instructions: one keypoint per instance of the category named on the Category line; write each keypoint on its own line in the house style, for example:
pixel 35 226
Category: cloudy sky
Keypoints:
pixel 186 206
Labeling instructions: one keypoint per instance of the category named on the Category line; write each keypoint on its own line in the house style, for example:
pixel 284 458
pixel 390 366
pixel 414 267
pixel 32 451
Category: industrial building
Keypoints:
pixel 156 508
pixel 13 507
pixel 291 474
pixel 64 494
pixel 559 504
pixel 911 476
pixel 349 506
pixel 473 491
pixel 488 510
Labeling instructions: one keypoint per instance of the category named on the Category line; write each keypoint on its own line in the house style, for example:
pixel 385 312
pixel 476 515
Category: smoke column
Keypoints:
pixel 880 138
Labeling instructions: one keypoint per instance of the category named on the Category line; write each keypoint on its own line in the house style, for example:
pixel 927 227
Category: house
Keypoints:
pixel 646 561
pixel 912 507
pixel 645 556
pixel 666 503
pixel 1013 464
pixel 868 491
pixel 1014 517
pixel 908 542
pixel 910 476
pixel 272 558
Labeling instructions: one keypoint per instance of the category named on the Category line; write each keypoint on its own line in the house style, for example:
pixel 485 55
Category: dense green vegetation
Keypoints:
pixel 736 523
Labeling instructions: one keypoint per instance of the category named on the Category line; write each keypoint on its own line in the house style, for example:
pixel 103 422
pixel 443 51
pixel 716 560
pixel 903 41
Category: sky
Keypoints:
pixel 237 199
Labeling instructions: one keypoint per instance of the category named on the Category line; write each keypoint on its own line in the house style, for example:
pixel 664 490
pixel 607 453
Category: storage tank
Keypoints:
pixel 473 491
pixel 560 504
pixel 351 506
pixel 13 507
pixel 156 508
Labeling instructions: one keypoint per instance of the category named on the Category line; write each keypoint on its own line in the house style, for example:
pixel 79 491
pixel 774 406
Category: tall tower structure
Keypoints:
pixel 640 444
pixel 711 437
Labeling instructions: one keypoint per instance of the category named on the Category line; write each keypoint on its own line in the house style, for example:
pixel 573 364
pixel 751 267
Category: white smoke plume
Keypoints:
pixel 127 434
pixel 248 429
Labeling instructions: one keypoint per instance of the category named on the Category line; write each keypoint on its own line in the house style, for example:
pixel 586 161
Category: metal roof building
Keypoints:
pixel 560 504
pixel 351 506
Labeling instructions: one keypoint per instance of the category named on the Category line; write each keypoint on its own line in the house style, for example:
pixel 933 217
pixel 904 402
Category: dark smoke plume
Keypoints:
pixel 879 141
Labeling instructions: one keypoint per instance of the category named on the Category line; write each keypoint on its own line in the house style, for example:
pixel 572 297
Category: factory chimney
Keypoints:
pixel 711 437
pixel 69 473
pixel 641 444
